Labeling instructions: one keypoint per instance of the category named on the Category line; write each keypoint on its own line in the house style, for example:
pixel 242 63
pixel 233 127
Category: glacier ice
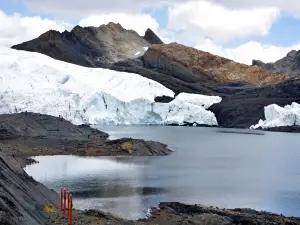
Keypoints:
pixel 277 116
pixel 37 83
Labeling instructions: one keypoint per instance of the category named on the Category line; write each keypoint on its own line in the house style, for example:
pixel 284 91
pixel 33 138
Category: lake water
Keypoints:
pixel 207 167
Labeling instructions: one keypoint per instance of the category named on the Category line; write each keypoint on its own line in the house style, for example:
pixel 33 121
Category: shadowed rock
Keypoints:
pixel 290 64
pixel 151 37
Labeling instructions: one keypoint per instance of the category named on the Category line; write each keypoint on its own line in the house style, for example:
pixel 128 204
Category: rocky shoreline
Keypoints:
pixel 25 201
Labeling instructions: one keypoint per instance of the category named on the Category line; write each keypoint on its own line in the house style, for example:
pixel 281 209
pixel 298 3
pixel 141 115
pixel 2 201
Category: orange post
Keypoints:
pixel 71 210
pixel 61 199
pixel 68 204
pixel 65 196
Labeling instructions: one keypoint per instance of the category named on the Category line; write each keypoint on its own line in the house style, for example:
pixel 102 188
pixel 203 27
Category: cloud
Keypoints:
pixel 81 8
pixel 289 6
pixel 137 22
pixel 248 51
pixel 199 19
pixel 78 8
pixel 15 28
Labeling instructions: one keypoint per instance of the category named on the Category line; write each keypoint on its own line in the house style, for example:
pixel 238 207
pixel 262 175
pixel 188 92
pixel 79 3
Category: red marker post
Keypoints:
pixel 71 210
pixel 61 199
pixel 65 196
pixel 69 202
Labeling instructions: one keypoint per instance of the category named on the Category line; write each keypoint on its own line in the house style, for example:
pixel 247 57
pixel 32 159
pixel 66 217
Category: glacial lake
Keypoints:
pixel 209 166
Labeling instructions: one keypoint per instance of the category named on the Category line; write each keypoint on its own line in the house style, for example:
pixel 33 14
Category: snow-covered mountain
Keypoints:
pixel 277 116
pixel 37 83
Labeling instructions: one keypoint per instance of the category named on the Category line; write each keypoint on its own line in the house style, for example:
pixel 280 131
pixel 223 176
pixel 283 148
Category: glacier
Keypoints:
pixel 277 116
pixel 37 83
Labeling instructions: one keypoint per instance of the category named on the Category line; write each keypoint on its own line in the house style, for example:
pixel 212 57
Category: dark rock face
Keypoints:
pixel 39 125
pixel 246 108
pixel 290 64
pixel 151 37
pixel 89 46
pixel 163 99
pixel 22 199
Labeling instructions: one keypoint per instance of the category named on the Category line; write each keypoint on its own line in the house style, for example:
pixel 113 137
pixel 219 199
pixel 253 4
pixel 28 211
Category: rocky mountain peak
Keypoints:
pixel 290 64
pixel 89 46
pixel 151 37
pixel 292 54
pixel 50 35
pixel 115 26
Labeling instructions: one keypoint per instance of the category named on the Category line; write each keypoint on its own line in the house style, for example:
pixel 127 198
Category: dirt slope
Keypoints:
pixel 193 65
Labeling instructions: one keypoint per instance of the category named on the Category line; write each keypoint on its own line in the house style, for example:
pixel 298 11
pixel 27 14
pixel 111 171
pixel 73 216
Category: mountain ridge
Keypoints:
pixel 88 46
pixel 290 64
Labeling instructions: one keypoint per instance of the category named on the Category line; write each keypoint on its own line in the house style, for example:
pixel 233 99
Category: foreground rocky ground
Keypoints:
pixel 25 201
pixel 30 134
pixel 174 213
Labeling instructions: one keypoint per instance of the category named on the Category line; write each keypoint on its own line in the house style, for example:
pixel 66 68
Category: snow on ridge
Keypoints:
pixel 277 116
pixel 37 83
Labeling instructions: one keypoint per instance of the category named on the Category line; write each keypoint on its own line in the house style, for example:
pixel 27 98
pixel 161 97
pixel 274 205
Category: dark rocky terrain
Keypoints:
pixel 290 64
pixel 22 199
pixel 28 134
pixel 89 46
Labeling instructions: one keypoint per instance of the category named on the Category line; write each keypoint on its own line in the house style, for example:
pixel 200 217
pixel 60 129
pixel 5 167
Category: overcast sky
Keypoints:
pixel 237 29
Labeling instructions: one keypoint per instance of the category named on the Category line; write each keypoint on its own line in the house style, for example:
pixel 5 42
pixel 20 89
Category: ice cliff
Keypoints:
pixel 277 116
pixel 37 83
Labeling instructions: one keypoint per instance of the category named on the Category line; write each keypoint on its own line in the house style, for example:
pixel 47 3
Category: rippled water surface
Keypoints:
pixel 209 166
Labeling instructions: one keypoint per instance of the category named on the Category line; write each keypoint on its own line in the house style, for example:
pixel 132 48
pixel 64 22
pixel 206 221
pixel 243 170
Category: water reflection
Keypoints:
pixel 208 167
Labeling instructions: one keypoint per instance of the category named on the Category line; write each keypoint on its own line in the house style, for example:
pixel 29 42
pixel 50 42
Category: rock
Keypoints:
pixel 136 147
pixel 163 99
pixel 37 134
pixel 151 37
pixel 173 212
pixel 290 64
pixel 21 198
pixel 192 65
pixel 38 125
pixel 88 46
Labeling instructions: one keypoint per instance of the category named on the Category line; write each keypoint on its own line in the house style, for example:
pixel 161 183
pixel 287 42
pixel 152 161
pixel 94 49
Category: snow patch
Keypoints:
pixel 137 53
pixel 277 116
pixel 37 83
